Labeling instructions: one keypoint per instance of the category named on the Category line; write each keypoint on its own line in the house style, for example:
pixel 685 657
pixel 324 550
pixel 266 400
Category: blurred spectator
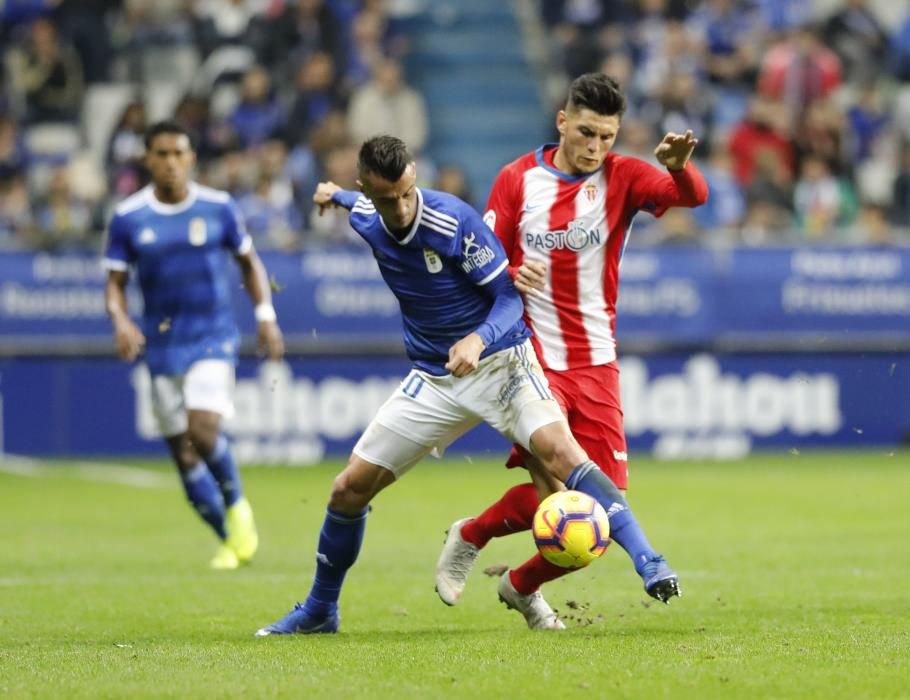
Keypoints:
pixel 820 133
pixel 900 203
pixel 50 75
pixel 671 53
pixel 678 228
pixel 762 131
pixel 857 36
pixel 158 23
pixel 16 223
pixel 12 153
pixel 259 116
pixel 818 198
pixel 367 48
pixel 726 206
pixel 14 12
pixel 304 27
pixel 232 173
pixel 683 104
pixel 63 220
pixel 452 179
pixel 386 105
pixel 799 69
pixel 769 199
pixel 730 34
pixel 333 227
pixel 900 51
pixel 87 23
pixel 867 120
pixel 270 214
pixel 210 138
pixel 872 227
pixel 314 97
pixel 222 22
pixel 125 152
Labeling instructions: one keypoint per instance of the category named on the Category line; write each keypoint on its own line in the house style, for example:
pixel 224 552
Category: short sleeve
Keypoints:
pixel 118 252
pixel 504 206
pixel 236 238
pixel 477 250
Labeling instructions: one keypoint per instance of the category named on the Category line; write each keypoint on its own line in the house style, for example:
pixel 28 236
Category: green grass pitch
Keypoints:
pixel 794 570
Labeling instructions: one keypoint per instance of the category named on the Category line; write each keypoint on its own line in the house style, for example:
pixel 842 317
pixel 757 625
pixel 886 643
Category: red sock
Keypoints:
pixel 535 572
pixel 511 513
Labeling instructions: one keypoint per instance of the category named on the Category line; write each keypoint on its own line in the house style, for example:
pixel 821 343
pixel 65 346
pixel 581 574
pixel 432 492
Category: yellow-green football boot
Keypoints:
pixel 225 558
pixel 241 529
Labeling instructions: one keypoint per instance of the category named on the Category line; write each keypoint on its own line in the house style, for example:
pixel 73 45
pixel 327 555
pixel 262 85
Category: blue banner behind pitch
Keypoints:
pixel 676 405
pixel 671 296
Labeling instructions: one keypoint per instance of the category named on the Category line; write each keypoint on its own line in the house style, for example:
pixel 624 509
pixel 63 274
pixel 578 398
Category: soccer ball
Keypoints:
pixel 571 529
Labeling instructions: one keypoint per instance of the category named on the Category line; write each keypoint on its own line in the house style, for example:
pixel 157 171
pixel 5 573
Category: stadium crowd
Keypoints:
pixel 803 111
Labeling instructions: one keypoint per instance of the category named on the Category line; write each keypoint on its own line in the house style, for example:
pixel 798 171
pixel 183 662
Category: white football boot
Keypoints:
pixel 455 563
pixel 537 611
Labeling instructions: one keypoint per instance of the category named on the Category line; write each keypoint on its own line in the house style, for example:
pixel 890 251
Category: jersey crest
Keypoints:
pixel 434 263
pixel 198 231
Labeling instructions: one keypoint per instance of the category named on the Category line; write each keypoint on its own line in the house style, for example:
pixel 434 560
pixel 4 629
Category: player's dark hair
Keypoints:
pixel 386 156
pixel 598 92
pixel 165 127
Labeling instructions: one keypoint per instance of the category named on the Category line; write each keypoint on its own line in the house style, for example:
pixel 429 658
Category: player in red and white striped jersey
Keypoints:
pixel 564 213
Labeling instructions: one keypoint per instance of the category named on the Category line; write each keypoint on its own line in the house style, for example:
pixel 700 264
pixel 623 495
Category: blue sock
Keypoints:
pixel 624 528
pixel 224 468
pixel 203 493
pixel 339 545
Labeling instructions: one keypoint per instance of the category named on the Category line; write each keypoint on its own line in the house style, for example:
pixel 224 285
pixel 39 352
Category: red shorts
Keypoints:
pixel 590 399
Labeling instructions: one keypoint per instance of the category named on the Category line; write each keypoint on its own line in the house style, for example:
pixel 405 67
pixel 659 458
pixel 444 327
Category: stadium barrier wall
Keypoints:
pixel 724 351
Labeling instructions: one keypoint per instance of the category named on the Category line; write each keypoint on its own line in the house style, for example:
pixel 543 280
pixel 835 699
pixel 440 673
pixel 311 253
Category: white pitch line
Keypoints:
pixel 87 471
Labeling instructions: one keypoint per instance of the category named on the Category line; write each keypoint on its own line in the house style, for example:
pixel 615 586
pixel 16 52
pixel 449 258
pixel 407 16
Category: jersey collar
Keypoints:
pixel 542 162
pixel 160 207
pixel 413 230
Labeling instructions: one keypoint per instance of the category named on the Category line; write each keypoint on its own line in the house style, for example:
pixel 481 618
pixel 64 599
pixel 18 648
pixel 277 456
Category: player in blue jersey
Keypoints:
pixel 178 236
pixel 472 361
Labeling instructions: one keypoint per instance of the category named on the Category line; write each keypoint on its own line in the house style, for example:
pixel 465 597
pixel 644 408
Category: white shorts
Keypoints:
pixel 207 386
pixel 426 413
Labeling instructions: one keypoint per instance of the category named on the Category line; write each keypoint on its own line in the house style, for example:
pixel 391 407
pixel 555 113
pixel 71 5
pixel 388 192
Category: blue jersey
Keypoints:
pixel 181 255
pixel 449 274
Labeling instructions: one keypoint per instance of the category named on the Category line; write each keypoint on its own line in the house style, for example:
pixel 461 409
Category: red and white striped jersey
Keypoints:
pixel 578 226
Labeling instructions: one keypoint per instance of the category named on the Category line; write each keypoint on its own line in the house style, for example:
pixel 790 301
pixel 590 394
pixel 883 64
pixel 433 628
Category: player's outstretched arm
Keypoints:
pixel 328 195
pixel 674 151
pixel 128 339
pixel 256 282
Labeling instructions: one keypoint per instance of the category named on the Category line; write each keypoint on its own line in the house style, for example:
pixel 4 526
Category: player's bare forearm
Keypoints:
pixel 255 279
pixel 128 339
pixel 115 295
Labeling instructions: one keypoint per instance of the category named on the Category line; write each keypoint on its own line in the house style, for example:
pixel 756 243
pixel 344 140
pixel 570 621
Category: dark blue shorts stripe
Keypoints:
pixel 535 380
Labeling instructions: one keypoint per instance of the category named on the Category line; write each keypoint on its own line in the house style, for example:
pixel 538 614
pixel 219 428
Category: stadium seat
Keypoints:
pixel 54 142
pixel 101 110
pixel 226 62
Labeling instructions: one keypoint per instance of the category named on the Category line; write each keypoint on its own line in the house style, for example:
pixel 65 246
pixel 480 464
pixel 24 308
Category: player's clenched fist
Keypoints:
pixel 531 277
pixel 464 356
pixel 323 196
